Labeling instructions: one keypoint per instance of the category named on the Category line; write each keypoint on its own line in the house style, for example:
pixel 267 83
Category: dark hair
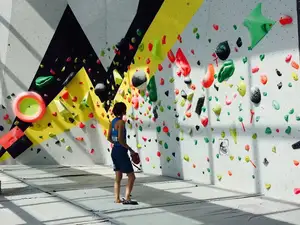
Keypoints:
pixel 119 109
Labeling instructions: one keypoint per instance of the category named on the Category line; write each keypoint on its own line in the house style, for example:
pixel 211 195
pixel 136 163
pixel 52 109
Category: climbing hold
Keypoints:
pixel 223 50
pixel 296 191
pixel 296 145
pixel 151 87
pixel 182 63
pixel 255 69
pixel 190 97
pixel 183 94
pixel 285 20
pixel 268 186
pixel 139 80
pixel 199 105
pixel 156 51
pixel 255 95
pixel 257 25
pixel 186 158
pixel 233 133
pixel 275 105
pixel 29 107
pixel 204 121
pixel 81 125
pixel 42 82
pixel 262 56
pixel 239 42
pixel 245 59
pixel 295 65
pixel 68 148
pixel 65 95
pixel 263 79
pixel 208 79
pixel 296 162
pixel 187 80
pixel 85 101
pixel 99 89
pixel 217 109
pixel 242 88
pixel 268 130
pixel 226 71
pixel 171 56
pixel 216 27
pixel 295 76
pixel 278 73
pixel 288 130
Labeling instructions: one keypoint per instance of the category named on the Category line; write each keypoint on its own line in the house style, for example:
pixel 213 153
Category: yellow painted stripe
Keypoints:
pixel 171 20
pixel 5 156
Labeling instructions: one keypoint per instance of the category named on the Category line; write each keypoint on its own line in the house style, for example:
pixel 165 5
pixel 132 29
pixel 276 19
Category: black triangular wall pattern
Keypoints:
pixel 70 50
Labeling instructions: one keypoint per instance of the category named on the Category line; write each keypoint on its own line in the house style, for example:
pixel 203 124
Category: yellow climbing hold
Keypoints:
pixel 268 186
pixel 247 159
pixel 186 158
pixel 139 146
pixel 242 88
pixel 231 157
pixel 117 77
pixel 219 177
pixel 217 109
pixel 295 76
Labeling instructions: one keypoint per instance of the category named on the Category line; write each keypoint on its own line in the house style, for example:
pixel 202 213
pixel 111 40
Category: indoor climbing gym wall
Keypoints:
pixel 210 87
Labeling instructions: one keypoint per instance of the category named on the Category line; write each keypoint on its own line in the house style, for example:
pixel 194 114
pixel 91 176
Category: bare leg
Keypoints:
pixel 118 186
pixel 131 179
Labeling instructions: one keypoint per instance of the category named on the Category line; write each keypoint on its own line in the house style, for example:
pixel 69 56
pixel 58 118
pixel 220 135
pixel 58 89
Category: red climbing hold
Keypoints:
pixel 162 81
pixel 216 27
pixel 209 77
pixel 52 72
pixel 74 99
pixel 296 191
pixel 92 151
pixel 204 121
pixel 182 62
pixel 165 129
pixel 148 61
pixel 131 47
pixel 144 138
pixel 150 46
pixel 285 20
pixel 93 126
pixel 65 94
pixel 160 67
pixel 91 115
pixel 179 38
pixel 164 41
pixel 158 154
pixel 288 58
pixel 147 159
pixel 98 61
pixel 171 56
pixel 81 125
pixel 6 117
pixel 54 114
pixel 79 138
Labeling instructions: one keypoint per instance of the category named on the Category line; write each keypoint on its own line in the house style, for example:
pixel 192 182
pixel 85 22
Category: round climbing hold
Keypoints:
pixel 99 89
pixel 139 80
pixel 255 95
pixel 29 107
pixel 223 50
pixel 209 77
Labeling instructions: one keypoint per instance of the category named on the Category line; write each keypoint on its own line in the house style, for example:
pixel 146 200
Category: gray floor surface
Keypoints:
pixel 82 195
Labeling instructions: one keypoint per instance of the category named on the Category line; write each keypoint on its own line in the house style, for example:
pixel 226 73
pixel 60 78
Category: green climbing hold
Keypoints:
pixel 140 128
pixel 262 56
pixel 161 108
pixel 208 170
pixel 223 134
pixel 291 111
pixel 195 142
pixel 195 30
pixel 245 59
pixel 288 130
pixel 254 136
pixel 286 118
pixel 226 71
pixel 239 158
pixel 166 145
pixel 268 130
pixel 171 80
pixel 218 156
pixel 139 32
pixel 151 87
pixel 257 118
pixel 156 51
pixel 257 25
pixel 265 93
pixel 290 84
pixel 275 105
pixel 197 36
pixel 235 27
pixel 298 117
pixel 41 82
pixel 141 47
pixel 206 140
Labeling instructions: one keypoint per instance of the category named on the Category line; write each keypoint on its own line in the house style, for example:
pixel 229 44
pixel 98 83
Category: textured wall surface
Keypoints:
pixel 242 62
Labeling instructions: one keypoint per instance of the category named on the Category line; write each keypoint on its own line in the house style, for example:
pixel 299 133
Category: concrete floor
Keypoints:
pixel 58 195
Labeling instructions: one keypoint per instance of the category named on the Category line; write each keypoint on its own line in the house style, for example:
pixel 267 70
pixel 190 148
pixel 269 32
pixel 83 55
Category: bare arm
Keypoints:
pixel 121 138
pixel 109 134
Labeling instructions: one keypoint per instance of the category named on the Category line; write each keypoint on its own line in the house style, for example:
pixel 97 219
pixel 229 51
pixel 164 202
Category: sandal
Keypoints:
pixel 129 202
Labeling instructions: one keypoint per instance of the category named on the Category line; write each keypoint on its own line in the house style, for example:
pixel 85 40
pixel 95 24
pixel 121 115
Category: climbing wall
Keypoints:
pixel 226 111
pixel 211 91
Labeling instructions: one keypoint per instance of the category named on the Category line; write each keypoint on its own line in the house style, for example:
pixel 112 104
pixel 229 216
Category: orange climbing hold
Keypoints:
pixel 263 79
pixel 229 173
pixel 296 163
pixel 188 114
pixel 164 40
pixel 209 77
pixel 247 147
pixel 295 65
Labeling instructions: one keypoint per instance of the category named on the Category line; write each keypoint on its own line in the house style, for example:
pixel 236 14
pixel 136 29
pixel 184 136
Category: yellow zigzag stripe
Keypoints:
pixel 171 20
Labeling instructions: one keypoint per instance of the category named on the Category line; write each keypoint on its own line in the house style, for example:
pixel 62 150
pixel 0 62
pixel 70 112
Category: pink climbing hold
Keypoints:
pixel 252 114
pixel 69 59
pixel 144 139
pixel 227 101
pixel 52 72
pixel 255 70
pixel 296 191
pixel 209 77
pixel 288 58
pixel 285 20
pixel 189 107
pixel 92 151
pixel 182 63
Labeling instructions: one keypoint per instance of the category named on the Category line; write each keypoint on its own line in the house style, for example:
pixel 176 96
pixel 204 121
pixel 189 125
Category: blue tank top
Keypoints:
pixel 114 132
